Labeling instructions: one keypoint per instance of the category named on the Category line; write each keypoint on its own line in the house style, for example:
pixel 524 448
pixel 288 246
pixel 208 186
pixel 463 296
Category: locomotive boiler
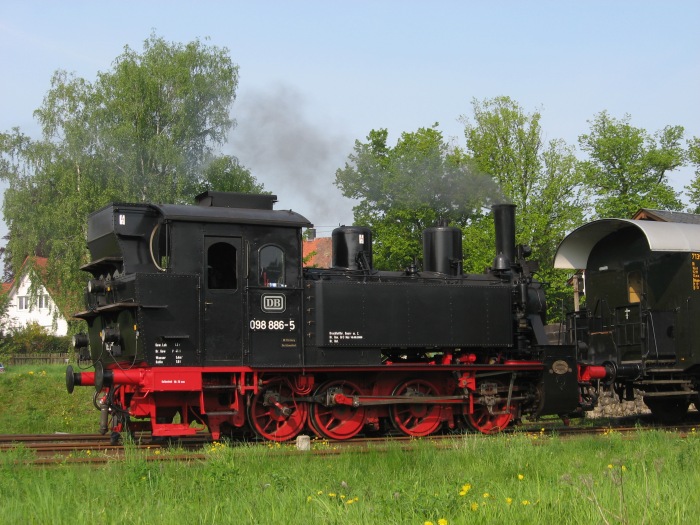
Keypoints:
pixel 204 315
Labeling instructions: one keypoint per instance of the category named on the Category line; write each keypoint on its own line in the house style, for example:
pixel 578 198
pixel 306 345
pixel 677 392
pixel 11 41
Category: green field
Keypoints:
pixel 649 477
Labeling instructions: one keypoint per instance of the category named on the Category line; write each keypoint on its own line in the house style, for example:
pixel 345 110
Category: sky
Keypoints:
pixel 317 76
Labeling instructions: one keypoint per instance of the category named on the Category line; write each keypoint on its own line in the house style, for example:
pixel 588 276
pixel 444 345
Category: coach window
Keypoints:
pixel 271 261
pixel 635 286
pixel 221 267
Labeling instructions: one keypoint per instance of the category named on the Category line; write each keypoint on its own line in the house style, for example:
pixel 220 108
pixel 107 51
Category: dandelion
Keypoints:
pixel 309 498
pixel 428 523
pixel 624 469
pixel 610 465
pixel 331 494
pixel 474 506
pixel 525 502
pixel 521 477
pixel 442 521
pixel 31 372
pixel 465 488
pixel 486 495
pixel 157 452
pixel 509 501
pixel 319 492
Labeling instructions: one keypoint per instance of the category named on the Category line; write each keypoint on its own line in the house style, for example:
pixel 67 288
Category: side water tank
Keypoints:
pixel 442 250
pixel 351 244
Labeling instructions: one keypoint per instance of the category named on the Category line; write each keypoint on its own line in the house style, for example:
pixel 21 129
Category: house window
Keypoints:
pixel 23 302
pixel 43 301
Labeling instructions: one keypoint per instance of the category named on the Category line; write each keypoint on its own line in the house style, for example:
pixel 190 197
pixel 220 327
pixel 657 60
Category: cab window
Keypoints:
pixel 221 267
pixel 271 261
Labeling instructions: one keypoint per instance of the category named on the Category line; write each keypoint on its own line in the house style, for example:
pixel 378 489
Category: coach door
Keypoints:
pixel 223 304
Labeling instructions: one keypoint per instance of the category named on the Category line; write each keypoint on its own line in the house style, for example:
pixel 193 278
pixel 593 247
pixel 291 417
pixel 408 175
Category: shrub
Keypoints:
pixel 33 339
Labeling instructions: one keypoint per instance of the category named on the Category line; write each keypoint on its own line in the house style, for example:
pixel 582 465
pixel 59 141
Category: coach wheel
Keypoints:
pixel 669 411
pixel 416 419
pixel 275 414
pixel 492 414
pixel 337 421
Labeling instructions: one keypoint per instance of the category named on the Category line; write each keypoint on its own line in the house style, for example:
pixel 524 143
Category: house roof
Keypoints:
pixel 574 250
pixel 38 263
pixel 647 214
pixel 322 246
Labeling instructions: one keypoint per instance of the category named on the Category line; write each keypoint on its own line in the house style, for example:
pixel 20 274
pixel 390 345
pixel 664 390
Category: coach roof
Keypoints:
pixel 574 250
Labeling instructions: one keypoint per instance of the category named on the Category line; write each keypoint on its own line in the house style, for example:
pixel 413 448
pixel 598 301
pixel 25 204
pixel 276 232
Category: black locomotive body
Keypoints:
pixel 204 314
pixel 642 287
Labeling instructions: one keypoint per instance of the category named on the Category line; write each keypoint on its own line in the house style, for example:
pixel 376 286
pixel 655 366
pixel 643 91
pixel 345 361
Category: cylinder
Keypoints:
pixel 504 220
pixel 442 250
pixel 352 248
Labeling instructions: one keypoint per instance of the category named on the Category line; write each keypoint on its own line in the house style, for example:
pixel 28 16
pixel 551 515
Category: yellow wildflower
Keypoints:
pixel 428 523
pixel 624 469
pixel 526 502
pixel 610 465
pixel 331 494
pixel 521 477
pixel 509 501
pixel 474 506
pixel 309 498
pixel 442 521
pixel 486 495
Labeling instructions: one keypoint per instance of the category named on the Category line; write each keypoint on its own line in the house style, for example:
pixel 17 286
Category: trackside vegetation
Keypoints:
pixel 526 477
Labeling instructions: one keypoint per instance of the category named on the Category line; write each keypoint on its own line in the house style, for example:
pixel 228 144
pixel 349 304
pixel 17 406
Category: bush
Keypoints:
pixel 33 339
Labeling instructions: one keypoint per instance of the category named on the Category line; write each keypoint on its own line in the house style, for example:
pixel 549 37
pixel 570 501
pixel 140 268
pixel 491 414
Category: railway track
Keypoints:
pixel 53 449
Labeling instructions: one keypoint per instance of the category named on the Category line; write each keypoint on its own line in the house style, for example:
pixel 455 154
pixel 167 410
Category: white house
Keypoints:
pixel 23 310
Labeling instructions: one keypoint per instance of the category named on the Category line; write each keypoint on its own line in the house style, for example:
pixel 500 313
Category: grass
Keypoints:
pixel 34 400
pixel 650 477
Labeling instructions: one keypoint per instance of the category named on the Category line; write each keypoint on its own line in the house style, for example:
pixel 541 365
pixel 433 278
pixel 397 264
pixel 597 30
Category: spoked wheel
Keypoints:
pixel 493 415
pixel 274 413
pixel 416 419
pixel 337 421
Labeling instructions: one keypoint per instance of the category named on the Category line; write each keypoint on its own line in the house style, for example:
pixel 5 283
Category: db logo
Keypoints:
pixel 273 303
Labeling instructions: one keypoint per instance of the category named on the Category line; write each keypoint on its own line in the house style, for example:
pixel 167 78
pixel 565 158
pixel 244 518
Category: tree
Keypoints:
pixel 541 179
pixel 149 129
pixel 407 188
pixel 693 189
pixel 627 168
pixel 226 174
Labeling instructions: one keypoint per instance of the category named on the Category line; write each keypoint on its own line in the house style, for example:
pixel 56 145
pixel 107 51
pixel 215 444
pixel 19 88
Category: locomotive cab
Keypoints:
pixel 213 284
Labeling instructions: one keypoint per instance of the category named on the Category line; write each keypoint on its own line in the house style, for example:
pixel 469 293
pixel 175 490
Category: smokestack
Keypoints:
pixel 504 220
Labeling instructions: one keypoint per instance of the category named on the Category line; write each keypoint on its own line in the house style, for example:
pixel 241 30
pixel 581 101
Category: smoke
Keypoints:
pixel 442 184
pixel 424 171
pixel 292 156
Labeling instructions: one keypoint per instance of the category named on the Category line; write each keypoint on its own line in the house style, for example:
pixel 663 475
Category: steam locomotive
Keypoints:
pixel 204 315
